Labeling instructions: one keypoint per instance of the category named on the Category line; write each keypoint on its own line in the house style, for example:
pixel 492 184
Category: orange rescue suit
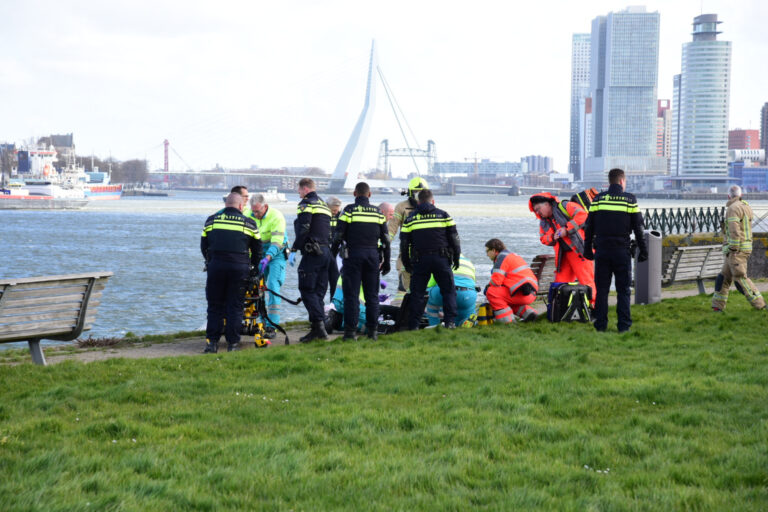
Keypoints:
pixel 570 263
pixel 506 291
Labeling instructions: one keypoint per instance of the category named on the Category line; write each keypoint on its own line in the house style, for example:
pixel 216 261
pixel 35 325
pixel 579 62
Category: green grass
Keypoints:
pixel 671 416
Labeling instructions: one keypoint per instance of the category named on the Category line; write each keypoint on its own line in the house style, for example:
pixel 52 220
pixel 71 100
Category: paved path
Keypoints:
pixel 194 346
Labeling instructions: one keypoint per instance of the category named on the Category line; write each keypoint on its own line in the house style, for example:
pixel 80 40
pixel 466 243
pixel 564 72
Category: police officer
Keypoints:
pixel 231 246
pixel 363 230
pixel 313 230
pixel 402 210
pixel 271 223
pixel 429 245
pixel 613 215
pixel 334 203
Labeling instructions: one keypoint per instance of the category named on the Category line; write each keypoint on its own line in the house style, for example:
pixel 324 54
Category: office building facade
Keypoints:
pixel 701 112
pixel 743 139
pixel 580 59
pixel 623 84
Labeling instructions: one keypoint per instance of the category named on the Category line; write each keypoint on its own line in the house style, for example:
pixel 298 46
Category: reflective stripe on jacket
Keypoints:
pixel 512 272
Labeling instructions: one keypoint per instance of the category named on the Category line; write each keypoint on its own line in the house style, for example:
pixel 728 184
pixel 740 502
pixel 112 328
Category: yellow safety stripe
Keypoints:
pixel 315 208
pixel 466 268
pixel 231 226
pixel 430 223
pixel 614 206
pixel 358 216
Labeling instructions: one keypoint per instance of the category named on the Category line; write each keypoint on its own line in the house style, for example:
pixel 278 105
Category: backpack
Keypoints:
pixel 569 302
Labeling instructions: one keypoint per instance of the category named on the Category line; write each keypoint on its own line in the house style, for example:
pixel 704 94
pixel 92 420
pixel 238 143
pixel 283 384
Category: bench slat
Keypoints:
pixel 51 292
pixel 51 315
pixel 61 299
pixel 11 313
pixel 64 277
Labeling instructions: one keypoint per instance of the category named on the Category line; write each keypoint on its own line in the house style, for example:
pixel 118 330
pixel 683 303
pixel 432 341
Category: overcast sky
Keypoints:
pixel 282 83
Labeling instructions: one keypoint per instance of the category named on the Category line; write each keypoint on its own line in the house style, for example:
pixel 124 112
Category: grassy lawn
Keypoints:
pixel 671 416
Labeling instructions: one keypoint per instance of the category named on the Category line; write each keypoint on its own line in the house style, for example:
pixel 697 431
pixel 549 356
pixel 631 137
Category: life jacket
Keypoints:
pixel 511 271
pixel 565 214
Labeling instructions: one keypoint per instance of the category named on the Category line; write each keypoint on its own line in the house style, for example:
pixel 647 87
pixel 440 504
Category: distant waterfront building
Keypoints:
pixel 743 139
pixel 585 132
pixel 537 164
pixel 623 80
pixel 700 144
pixel 580 55
pixel 764 127
pixel 751 179
pixel 485 168
pixel 664 130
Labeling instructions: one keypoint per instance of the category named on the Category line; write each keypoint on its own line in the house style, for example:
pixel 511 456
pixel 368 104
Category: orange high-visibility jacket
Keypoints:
pixel 511 271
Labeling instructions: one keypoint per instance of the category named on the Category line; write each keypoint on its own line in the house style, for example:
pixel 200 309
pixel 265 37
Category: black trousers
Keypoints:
pixel 613 261
pixel 313 282
pixel 440 267
pixel 362 267
pixel 225 293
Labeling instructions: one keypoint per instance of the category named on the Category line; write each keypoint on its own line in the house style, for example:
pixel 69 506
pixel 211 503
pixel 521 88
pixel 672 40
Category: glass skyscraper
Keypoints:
pixel 700 144
pixel 623 81
pixel 579 91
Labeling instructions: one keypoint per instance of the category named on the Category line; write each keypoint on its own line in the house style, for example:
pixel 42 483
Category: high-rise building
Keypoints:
pixel 764 127
pixel 623 80
pixel 743 139
pixel 580 54
pixel 663 129
pixel 700 144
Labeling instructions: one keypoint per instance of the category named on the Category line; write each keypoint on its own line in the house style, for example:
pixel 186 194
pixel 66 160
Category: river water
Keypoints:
pixel 152 245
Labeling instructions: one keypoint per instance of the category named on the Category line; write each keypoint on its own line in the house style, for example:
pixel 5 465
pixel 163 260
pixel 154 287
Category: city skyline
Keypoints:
pixel 273 85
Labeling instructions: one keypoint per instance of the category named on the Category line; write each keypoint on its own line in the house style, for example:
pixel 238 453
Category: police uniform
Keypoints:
pixel 402 211
pixel 429 245
pixel 363 229
pixel 737 248
pixel 313 230
pixel 231 245
pixel 273 236
pixel 613 215
pixel 333 268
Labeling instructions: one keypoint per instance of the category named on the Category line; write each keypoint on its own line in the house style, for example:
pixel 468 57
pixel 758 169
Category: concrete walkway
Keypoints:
pixel 194 346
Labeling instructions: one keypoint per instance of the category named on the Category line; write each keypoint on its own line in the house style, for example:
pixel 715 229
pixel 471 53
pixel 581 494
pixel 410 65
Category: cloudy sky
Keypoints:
pixel 240 83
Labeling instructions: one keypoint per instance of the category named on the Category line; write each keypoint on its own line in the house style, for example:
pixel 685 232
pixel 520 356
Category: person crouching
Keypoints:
pixel 513 285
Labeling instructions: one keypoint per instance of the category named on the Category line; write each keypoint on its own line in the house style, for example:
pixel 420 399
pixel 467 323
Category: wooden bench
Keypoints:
pixel 694 263
pixel 49 307
pixel 543 267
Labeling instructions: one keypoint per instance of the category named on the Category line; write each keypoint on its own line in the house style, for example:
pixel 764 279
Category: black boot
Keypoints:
pixel 349 335
pixel 373 334
pixel 233 347
pixel 211 347
pixel 316 333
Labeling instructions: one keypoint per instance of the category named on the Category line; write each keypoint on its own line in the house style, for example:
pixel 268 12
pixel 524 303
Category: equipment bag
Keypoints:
pixel 569 302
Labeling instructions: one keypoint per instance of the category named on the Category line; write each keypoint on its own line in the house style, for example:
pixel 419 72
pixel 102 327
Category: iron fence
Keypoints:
pixel 685 220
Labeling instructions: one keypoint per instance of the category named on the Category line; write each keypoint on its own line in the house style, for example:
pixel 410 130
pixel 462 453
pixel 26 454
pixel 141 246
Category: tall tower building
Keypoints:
pixel 579 90
pixel 623 81
pixel 700 146
pixel 764 128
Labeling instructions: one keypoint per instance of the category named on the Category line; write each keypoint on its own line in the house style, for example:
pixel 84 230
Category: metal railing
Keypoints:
pixel 685 220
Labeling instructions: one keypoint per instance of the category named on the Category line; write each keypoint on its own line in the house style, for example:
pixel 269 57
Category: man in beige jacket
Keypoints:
pixel 737 248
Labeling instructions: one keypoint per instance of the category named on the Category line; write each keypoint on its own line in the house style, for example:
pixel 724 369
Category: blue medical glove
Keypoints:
pixel 263 264
pixel 292 259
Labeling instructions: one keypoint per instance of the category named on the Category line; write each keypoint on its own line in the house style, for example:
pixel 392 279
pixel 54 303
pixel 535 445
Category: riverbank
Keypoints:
pixel 670 416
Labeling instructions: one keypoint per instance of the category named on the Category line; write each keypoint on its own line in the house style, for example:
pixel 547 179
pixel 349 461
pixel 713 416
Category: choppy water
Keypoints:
pixel 153 247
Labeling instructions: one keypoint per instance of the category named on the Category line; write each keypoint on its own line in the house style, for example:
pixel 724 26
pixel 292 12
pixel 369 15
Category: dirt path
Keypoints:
pixel 194 346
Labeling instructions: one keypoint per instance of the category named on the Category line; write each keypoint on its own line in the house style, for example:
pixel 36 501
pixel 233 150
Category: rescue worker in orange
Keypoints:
pixel 561 224
pixel 513 285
